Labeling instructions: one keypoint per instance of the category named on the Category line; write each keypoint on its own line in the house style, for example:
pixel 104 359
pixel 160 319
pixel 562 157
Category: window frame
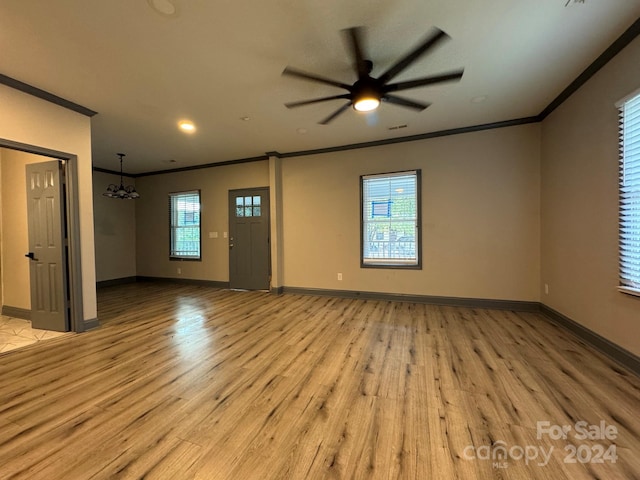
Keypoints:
pixel 182 258
pixel 390 263
pixel 628 283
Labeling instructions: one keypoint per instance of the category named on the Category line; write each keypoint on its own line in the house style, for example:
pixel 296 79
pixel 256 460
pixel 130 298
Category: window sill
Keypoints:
pixel 402 266
pixel 629 291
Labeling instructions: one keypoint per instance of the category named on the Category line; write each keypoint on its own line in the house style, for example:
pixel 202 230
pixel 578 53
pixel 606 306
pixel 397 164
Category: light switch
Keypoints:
pixel 213 234
pixel 224 234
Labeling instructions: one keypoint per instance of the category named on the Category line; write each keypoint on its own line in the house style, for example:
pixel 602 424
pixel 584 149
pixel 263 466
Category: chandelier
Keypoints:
pixel 121 192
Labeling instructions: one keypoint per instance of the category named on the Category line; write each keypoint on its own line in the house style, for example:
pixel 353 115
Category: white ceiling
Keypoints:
pixel 217 61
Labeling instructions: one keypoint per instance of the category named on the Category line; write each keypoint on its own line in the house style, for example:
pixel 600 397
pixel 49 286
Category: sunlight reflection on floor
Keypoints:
pixel 189 329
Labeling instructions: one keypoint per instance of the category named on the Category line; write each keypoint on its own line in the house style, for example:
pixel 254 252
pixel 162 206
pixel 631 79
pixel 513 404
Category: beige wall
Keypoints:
pixel 580 205
pixel 15 240
pixel 115 230
pixel 480 216
pixel 32 121
pixel 152 219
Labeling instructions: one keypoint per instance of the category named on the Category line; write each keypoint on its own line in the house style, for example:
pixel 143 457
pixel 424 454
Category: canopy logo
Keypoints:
pixel 500 454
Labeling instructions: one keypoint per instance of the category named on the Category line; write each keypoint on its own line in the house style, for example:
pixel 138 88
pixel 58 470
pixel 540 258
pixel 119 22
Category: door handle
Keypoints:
pixel 31 255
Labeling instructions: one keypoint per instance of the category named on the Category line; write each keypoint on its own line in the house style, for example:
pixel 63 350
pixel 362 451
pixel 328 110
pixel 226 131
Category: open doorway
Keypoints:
pixel 14 156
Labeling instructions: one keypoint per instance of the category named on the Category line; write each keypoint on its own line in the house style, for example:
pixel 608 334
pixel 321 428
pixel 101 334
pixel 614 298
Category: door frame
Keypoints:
pixel 73 259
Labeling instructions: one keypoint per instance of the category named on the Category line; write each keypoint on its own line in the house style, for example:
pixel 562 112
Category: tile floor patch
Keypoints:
pixel 17 333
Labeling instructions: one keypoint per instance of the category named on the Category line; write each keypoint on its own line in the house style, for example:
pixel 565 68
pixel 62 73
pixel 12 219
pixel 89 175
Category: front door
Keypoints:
pixel 45 210
pixel 249 250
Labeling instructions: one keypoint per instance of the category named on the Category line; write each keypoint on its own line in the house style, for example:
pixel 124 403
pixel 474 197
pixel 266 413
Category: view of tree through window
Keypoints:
pixel 185 225
pixel 390 210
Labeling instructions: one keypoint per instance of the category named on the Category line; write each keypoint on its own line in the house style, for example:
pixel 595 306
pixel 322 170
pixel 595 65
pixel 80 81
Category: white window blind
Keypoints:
pixel 184 214
pixel 629 218
pixel 390 218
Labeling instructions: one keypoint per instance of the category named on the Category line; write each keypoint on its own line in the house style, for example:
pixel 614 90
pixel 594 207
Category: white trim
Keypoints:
pixel 389 262
pixel 404 173
pixel 626 98
pixel 629 291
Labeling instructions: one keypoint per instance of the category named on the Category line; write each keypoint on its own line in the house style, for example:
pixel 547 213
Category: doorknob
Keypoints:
pixel 30 255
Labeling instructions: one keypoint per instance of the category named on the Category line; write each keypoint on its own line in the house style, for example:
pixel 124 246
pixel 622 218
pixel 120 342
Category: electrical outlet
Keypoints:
pixel 339 276
pixel 546 289
pixel 179 270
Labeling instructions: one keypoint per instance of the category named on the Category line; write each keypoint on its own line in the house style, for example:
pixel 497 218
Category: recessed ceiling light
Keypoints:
pixel 163 7
pixel 187 126
pixel 245 119
pixel 479 99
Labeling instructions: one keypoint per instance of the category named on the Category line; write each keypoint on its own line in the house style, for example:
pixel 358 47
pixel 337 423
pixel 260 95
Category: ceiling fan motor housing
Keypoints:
pixel 366 88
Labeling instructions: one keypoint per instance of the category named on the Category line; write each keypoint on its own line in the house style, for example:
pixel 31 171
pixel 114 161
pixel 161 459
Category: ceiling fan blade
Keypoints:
pixel 354 35
pixel 403 102
pixel 292 72
pixel 437 37
pixel 316 100
pixel 335 114
pixel 421 82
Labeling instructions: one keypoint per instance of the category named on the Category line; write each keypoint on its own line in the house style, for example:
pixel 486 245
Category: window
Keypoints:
pixel 390 213
pixel 184 214
pixel 248 206
pixel 629 216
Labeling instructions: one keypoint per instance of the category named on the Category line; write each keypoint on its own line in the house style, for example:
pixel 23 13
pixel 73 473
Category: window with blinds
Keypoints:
pixel 629 215
pixel 184 214
pixel 390 213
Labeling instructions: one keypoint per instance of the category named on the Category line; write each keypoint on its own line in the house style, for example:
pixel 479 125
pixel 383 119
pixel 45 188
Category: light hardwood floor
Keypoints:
pixel 186 382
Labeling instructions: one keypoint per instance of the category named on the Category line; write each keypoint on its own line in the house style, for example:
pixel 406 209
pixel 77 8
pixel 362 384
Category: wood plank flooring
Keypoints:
pixel 187 382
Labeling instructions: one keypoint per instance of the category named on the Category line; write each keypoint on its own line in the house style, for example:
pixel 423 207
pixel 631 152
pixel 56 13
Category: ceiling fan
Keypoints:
pixel 367 92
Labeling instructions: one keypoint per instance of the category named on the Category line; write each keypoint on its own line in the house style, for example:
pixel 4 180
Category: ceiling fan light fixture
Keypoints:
pixel 367 92
pixel 366 104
